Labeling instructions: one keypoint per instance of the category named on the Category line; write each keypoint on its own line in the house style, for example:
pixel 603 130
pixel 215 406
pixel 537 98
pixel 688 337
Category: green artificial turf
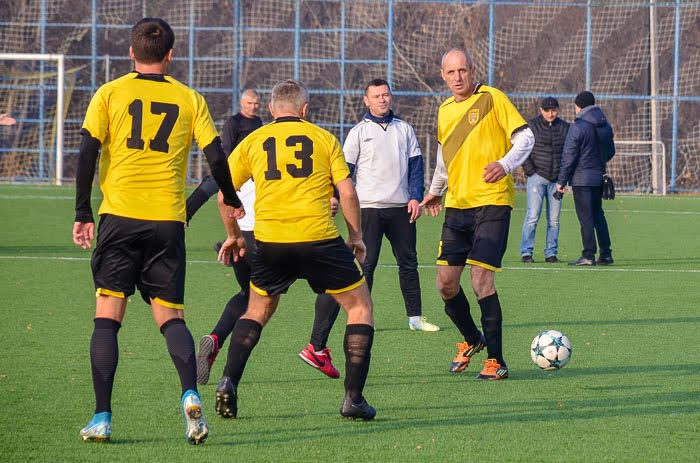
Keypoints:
pixel 630 393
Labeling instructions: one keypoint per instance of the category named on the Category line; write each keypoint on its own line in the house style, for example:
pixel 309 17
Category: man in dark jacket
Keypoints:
pixel 542 170
pixel 588 147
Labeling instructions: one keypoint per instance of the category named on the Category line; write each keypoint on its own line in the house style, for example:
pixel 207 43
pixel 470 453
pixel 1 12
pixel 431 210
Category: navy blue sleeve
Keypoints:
pixel 416 178
pixel 351 166
pixel 569 156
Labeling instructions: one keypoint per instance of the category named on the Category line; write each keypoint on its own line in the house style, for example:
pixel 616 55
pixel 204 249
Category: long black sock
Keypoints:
pixel 104 356
pixel 457 309
pixel 181 347
pixel 326 312
pixel 245 336
pixel 235 307
pixel 491 322
pixel 358 346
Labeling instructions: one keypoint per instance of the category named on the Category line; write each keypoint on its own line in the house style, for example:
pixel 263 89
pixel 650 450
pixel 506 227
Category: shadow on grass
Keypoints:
pixel 472 414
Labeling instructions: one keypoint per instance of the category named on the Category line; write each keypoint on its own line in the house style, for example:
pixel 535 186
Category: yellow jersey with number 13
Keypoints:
pixel 294 165
pixel 146 123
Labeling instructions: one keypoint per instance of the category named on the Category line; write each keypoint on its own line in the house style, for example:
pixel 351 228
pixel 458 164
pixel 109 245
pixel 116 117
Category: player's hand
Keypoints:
pixel 493 172
pixel 561 188
pixel 236 212
pixel 234 246
pixel 432 204
pixel 83 234
pixel 7 120
pixel 358 248
pixel 414 210
pixel 334 206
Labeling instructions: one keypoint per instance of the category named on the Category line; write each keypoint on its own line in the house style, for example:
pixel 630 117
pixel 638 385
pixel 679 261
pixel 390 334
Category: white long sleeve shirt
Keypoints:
pixel 380 153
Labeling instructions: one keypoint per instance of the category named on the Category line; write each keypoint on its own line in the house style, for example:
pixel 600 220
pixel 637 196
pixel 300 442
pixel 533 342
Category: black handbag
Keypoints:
pixel 608 187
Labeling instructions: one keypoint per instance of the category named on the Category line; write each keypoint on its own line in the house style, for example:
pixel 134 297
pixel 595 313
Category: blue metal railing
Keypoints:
pixel 238 30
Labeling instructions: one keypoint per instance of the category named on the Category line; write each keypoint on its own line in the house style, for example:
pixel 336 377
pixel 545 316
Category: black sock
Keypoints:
pixel 245 336
pixel 326 312
pixel 491 322
pixel 104 356
pixel 235 307
pixel 358 346
pixel 457 309
pixel 181 347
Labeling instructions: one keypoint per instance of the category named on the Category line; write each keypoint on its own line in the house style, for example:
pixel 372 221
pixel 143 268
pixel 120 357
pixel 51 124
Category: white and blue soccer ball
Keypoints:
pixel 550 350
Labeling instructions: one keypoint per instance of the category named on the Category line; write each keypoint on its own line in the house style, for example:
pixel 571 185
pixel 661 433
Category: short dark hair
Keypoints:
pixel 376 83
pixel 151 40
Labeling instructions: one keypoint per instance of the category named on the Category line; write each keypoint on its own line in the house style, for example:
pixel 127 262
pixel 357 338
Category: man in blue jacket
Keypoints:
pixel 588 147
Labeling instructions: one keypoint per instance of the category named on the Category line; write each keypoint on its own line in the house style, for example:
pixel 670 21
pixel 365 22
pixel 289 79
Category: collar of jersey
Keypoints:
pixel 288 119
pixel 153 77
pixel 380 120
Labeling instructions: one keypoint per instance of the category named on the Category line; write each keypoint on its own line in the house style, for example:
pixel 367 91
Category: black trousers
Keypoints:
pixel 588 201
pixel 394 224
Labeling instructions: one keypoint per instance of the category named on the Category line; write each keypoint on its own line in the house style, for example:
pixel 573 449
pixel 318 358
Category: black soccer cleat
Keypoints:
pixel 353 411
pixel 604 260
pixel 226 398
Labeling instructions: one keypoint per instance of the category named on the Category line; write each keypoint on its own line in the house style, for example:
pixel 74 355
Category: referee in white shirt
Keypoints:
pixel 386 163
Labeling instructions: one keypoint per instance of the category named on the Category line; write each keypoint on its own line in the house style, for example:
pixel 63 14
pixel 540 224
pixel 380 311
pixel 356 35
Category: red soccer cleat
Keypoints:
pixel 320 361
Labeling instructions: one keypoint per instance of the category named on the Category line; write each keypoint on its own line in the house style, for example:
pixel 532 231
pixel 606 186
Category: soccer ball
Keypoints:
pixel 550 350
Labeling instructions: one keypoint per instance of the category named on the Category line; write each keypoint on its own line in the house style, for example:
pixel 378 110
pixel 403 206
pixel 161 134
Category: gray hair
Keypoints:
pixel 250 92
pixel 291 94
pixel 470 63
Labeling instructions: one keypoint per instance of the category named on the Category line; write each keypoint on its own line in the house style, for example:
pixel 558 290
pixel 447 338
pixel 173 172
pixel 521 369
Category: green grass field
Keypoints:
pixel 630 393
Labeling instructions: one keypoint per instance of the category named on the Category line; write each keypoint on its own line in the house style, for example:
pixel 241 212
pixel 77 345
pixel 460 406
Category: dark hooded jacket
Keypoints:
pixel 545 157
pixel 588 147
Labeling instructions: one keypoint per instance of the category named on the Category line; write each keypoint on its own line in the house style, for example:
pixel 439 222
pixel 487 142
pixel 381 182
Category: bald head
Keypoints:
pixel 459 53
pixel 459 73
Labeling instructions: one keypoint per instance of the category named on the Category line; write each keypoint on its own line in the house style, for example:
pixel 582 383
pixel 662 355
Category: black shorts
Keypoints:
pixel 328 266
pixel 476 236
pixel 144 254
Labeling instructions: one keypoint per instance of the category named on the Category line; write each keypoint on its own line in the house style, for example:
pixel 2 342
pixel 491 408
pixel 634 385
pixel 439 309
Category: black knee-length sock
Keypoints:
pixel 245 336
pixel 491 322
pixel 358 346
pixel 181 348
pixel 104 356
pixel 458 310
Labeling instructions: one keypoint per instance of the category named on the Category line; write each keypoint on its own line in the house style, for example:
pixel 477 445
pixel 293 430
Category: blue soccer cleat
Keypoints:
pixel 196 428
pixel 99 428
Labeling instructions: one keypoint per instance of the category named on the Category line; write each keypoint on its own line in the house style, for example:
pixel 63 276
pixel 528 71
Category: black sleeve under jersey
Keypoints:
pixel 84 175
pixel 221 173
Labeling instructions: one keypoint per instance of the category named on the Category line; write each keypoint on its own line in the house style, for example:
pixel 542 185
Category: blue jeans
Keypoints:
pixel 539 188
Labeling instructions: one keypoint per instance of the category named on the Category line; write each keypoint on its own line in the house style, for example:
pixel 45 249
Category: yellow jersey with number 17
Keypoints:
pixel 146 123
pixel 294 165
pixel 472 134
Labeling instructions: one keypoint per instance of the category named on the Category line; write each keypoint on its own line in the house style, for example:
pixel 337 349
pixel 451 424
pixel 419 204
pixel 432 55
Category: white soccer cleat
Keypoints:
pixel 196 428
pixel 421 324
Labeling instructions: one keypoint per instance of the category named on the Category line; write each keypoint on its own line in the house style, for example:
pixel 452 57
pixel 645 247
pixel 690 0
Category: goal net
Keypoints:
pixel 639 167
pixel 32 91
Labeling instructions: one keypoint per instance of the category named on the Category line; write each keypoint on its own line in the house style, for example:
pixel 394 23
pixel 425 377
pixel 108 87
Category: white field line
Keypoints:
pixel 548 268
pixel 607 211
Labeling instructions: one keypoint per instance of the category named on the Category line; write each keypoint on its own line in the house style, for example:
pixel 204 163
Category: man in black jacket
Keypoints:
pixel 588 147
pixel 542 170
